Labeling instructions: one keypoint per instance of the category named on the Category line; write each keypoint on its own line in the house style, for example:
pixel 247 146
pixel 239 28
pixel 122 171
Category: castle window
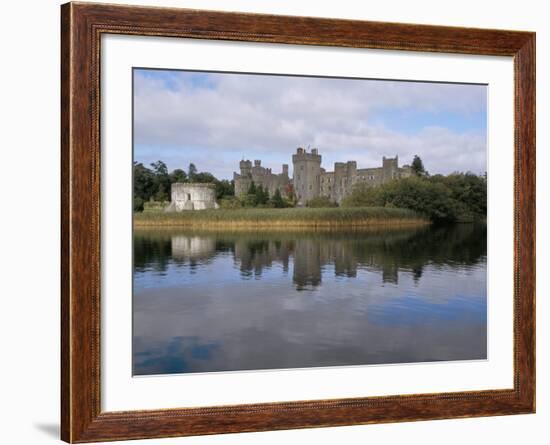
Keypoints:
pixel 302 167
pixel 310 186
pixel 189 196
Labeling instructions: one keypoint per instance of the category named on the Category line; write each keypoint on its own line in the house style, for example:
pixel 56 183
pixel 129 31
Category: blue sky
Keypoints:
pixel 216 119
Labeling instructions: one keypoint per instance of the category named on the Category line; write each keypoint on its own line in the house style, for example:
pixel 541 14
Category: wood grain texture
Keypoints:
pixel 81 28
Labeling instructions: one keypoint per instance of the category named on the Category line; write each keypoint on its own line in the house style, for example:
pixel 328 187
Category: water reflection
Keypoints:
pixel 208 301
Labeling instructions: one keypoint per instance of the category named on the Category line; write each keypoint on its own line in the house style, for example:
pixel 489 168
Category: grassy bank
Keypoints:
pixel 283 218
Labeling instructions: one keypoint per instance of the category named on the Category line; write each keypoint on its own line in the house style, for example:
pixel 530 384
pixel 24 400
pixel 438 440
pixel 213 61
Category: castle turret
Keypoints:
pixel 345 174
pixel 245 167
pixel 285 170
pixel 307 169
pixel 389 168
pixel 242 181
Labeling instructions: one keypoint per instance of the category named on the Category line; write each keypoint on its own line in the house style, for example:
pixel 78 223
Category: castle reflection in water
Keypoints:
pixel 208 301
pixel 309 255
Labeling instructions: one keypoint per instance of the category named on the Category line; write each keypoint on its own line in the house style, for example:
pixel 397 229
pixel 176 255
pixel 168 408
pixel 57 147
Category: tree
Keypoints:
pixel 251 198
pixel 224 188
pixel 467 188
pixel 277 200
pixel 159 168
pixel 252 189
pixel 191 172
pixel 290 199
pixel 144 182
pixel 457 197
pixel 138 204
pixel 178 175
pixel 161 181
pixel 262 195
pixel 203 177
pixel 418 166
pixel 161 195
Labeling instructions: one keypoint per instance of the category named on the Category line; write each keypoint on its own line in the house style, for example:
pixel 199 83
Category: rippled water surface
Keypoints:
pixel 225 301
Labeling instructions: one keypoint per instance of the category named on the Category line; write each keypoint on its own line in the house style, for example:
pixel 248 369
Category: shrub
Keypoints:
pixel 457 197
pixel 138 204
pixel 249 200
pixel 230 203
pixel 153 206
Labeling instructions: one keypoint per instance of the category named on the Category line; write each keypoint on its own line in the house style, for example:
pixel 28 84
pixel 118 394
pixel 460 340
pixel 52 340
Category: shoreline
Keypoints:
pixel 283 219
pixel 284 225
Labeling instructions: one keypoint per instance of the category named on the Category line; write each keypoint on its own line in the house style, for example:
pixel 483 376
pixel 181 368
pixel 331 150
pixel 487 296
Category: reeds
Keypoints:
pixel 247 218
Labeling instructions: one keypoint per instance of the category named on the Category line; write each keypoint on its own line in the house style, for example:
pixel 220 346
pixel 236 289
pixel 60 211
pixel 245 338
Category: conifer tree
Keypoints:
pixel 252 188
pixel 277 200
pixel 418 166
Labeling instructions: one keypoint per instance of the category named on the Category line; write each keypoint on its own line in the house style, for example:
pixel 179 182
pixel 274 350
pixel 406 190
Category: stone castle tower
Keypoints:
pixel 307 172
pixel 389 168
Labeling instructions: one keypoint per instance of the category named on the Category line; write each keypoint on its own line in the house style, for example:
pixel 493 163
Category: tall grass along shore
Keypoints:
pixel 247 218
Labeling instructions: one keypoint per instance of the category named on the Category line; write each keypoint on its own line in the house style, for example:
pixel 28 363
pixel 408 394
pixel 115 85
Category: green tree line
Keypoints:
pixel 257 196
pixel 154 182
pixel 452 198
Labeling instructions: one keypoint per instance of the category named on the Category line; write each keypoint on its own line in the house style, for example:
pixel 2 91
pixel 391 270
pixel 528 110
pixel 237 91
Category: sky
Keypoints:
pixel 214 120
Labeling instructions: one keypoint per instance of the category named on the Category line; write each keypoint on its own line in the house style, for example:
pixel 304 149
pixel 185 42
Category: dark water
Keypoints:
pixel 229 301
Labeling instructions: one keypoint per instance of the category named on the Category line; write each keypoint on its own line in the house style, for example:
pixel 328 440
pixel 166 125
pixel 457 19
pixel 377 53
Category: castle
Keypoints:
pixel 311 181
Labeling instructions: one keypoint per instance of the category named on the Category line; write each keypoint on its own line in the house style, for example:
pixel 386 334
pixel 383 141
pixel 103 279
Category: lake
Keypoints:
pixel 228 301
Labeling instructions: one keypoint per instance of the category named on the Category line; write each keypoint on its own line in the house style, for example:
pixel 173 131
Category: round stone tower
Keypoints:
pixel 192 196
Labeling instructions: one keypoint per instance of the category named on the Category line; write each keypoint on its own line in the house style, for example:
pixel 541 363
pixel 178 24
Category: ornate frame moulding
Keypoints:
pixel 82 25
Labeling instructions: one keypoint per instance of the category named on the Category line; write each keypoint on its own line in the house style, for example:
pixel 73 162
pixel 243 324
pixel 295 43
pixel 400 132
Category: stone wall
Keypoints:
pixel 191 196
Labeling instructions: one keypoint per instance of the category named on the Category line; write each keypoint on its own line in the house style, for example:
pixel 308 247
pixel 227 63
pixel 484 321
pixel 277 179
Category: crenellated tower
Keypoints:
pixel 307 170
pixel 390 168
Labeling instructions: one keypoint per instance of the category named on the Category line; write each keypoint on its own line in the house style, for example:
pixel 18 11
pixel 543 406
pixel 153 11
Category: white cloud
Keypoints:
pixel 268 116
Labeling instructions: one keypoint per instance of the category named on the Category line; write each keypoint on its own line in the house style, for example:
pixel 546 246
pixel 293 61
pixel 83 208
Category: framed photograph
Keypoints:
pixel 274 222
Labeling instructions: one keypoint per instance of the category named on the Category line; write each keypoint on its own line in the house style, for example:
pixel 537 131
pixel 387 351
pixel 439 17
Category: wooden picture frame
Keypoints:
pixel 82 25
